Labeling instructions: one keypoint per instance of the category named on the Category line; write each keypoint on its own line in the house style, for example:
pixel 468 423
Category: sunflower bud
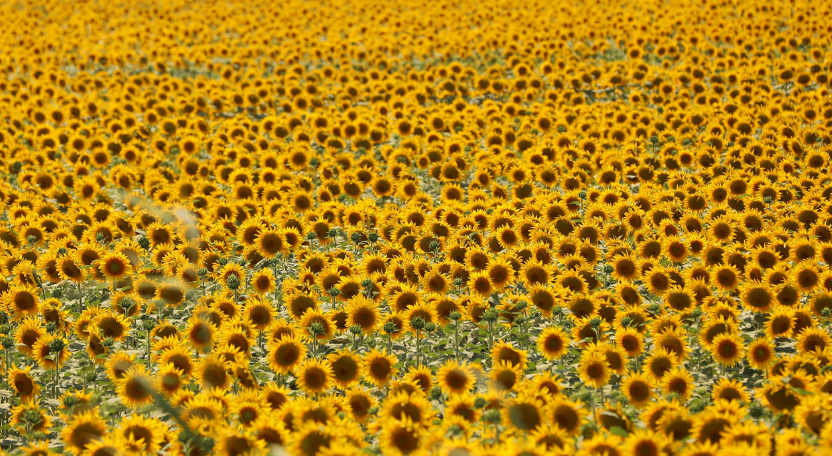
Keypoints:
pixel 491 315
pixel 32 417
pixel 71 401
pixel 355 330
pixel 480 402
pixel 233 282
pixel 334 292
pixel 316 329
pixel 455 315
pixel 390 327
pixel 51 327
pixel 373 237
pixel 697 312
pixel 492 416
pixel 148 324
pixel 436 393
pixel 56 346
pixel 418 323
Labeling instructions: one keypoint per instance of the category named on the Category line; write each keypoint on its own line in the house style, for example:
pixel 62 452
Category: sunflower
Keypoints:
pixel 135 388
pixel 22 301
pixel 27 334
pixel 232 441
pixel 311 439
pixel 480 284
pixel 594 369
pixel 200 333
pixel 285 354
pixel 630 340
pixel 727 349
pixel 422 377
pixel 760 354
pixel 111 324
pixel 553 343
pixel 638 388
pixel 455 378
pixel 114 266
pixel 213 372
pixel 500 273
pixel 346 368
pixel 28 415
pixel 505 376
pixel 757 297
pixel 400 437
pixel 316 316
pixel 812 340
pixel 171 292
pixel 729 389
pixel 200 408
pixel 660 362
pixel 726 277
pixel 83 431
pixel 23 383
pixel 678 381
pixel 363 312
pixel 566 415
pixel 270 242
pixel 644 442
pixel 359 403
pixel 259 313
pixel 178 355
pixel 675 249
pixel 379 368
pixel 503 351
pixel 149 431
pixel 70 269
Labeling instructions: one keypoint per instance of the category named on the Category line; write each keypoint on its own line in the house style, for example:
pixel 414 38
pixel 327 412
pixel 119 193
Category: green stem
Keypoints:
pixel 456 340
pixel 418 348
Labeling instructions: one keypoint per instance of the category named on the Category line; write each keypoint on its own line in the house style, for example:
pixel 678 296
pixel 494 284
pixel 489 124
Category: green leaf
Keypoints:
pixel 800 391
pixel 615 430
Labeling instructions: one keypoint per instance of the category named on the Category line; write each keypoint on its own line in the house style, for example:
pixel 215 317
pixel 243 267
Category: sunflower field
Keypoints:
pixel 413 227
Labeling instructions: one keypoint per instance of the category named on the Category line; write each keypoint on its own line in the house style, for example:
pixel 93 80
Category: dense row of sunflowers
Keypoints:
pixel 408 227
